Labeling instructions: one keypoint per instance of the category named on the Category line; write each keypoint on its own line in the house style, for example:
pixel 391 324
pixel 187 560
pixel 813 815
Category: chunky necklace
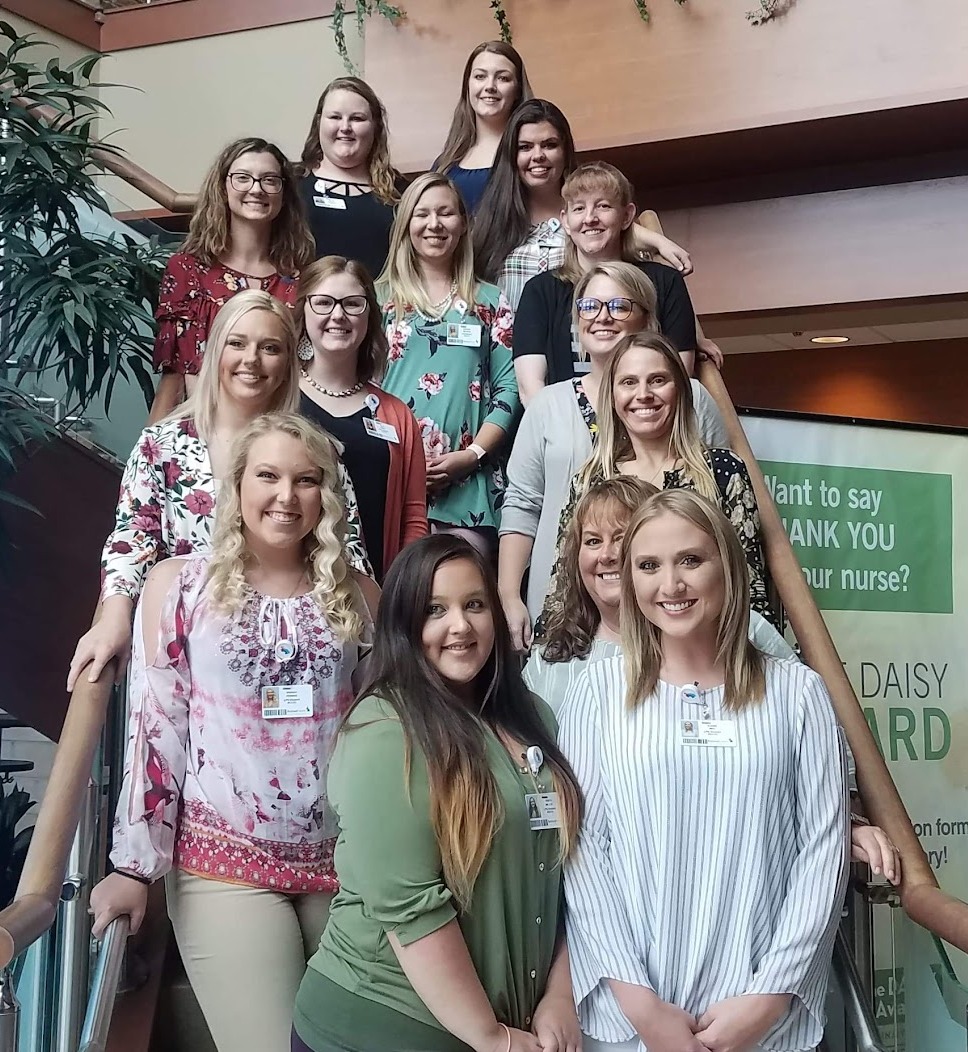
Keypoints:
pixel 333 394
pixel 436 311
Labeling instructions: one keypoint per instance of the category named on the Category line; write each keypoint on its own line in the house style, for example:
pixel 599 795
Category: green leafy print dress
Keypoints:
pixel 456 375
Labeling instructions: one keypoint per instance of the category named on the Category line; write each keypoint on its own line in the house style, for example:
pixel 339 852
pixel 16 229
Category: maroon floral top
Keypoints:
pixel 190 297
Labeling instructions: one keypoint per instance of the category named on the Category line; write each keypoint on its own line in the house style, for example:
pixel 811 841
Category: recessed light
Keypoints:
pixel 829 339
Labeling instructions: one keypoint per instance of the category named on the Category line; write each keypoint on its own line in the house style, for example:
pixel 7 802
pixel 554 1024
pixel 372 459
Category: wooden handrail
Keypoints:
pixel 34 909
pixel 124 168
pixel 922 899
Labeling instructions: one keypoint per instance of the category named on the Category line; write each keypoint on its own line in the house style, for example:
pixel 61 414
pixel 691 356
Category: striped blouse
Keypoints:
pixel 704 873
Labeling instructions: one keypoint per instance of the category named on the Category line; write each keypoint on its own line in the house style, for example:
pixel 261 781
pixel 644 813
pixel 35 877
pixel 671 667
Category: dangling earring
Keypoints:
pixel 304 350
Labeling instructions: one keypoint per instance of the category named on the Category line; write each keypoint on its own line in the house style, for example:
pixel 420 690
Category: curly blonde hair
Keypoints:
pixel 333 590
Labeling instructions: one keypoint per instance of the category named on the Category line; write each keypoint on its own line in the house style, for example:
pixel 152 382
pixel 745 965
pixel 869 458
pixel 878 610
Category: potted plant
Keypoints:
pixel 14 805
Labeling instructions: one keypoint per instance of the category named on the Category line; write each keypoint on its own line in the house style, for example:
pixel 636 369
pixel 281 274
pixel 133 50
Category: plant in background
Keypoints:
pixel 76 307
pixel 14 805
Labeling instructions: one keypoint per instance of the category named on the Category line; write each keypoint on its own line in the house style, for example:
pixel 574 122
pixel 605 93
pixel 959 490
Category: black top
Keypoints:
pixel 542 322
pixel 347 219
pixel 367 462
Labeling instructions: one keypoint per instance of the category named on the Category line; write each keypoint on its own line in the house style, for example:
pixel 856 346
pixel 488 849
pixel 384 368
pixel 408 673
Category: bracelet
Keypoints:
pixel 507 1030
pixel 134 876
pixel 479 451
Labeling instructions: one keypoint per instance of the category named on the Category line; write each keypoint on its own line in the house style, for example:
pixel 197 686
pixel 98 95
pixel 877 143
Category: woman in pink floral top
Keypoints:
pixel 450 356
pixel 169 486
pixel 241 675
pixel 247 232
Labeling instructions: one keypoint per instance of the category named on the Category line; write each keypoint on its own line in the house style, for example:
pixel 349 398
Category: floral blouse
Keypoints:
pixel 737 501
pixel 456 375
pixel 167 507
pixel 211 785
pixel 191 295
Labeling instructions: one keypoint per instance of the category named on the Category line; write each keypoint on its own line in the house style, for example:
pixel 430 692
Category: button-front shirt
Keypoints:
pixel 542 250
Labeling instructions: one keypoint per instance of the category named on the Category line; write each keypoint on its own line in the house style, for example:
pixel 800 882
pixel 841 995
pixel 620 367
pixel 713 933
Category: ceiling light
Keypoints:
pixel 829 339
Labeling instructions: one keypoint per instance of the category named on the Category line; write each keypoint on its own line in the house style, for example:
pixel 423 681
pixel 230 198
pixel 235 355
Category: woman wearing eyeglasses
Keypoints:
pixel 247 232
pixel 342 349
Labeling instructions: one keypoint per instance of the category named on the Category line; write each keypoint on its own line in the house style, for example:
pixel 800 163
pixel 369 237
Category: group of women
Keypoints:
pixel 376 830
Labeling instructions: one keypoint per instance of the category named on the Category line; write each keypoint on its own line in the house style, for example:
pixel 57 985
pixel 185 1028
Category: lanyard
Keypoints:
pixel 277 629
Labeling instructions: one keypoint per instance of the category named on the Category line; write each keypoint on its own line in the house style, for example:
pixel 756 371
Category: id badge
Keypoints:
pixel 707 733
pixel 463 334
pixel 379 429
pixel 543 810
pixel 330 202
pixel 287 702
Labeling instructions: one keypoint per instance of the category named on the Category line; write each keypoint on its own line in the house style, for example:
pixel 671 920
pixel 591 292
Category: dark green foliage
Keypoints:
pixel 14 804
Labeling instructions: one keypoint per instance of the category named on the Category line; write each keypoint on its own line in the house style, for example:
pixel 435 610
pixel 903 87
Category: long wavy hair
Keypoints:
pixel 614 445
pixel 463 126
pixel 371 355
pixel 401 283
pixel 332 589
pixel 291 244
pixel 382 174
pixel 597 177
pixel 636 285
pixel 571 626
pixel 465 805
pixel 201 405
pixel 503 217
pixel 642 641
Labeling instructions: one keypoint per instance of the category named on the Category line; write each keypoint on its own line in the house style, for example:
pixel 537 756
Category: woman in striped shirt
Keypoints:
pixel 706 889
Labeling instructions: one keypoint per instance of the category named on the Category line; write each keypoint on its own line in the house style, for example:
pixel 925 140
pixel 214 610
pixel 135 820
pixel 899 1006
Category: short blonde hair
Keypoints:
pixel 637 285
pixel 333 590
pixel 642 641
pixel 603 178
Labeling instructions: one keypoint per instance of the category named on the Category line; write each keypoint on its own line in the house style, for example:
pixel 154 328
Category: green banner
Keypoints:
pixel 867 538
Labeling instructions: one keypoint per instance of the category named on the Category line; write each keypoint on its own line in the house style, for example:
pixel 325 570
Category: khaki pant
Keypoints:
pixel 245 951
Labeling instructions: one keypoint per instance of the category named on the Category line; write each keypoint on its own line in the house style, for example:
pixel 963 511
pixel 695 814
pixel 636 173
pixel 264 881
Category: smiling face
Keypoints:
pixel 254 361
pixel 645 393
pixel 599 555
pixel 677 576
pixel 601 334
pixel 436 224
pixel 458 634
pixel 337 333
pixel 492 86
pixel 540 156
pixel 254 204
pixel 280 493
pixel 595 222
pixel 346 129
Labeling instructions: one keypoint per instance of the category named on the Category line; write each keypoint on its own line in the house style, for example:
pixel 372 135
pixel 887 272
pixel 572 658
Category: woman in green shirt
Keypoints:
pixel 447 932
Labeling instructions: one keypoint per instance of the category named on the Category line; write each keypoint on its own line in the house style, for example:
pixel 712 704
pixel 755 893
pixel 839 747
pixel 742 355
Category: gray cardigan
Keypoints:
pixel 550 447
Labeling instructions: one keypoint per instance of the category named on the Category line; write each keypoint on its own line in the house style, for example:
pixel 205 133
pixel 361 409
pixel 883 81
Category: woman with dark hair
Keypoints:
pixel 247 232
pixel 446 935
pixel 517 229
pixel 347 184
pixel 342 352
pixel 494 83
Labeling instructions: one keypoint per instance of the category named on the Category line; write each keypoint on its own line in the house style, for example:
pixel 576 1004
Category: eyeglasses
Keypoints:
pixel 353 305
pixel 268 184
pixel 618 308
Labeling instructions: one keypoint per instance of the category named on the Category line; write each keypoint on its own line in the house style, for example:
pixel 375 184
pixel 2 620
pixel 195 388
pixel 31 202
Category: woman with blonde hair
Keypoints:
pixel 169 486
pixel 247 232
pixel 707 885
pixel 446 934
pixel 494 82
pixel 347 184
pixel 241 673
pixel 449 357
pixel 343 353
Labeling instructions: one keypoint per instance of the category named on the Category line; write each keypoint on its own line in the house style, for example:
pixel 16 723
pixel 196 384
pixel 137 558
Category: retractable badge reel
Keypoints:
pixel 542 807
pixel 702 731
pixel 377 428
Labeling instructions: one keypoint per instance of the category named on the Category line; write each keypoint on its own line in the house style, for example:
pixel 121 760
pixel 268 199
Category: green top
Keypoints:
pixel 391 878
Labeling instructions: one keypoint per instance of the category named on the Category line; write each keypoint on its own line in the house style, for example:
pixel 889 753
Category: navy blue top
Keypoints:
pixel 470 183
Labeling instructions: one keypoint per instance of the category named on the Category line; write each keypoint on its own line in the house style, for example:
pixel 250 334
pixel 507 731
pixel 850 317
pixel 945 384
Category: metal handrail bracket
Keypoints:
pixel 104 988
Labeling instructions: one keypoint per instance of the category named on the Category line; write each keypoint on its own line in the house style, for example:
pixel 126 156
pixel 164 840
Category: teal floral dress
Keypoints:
pixel 456 375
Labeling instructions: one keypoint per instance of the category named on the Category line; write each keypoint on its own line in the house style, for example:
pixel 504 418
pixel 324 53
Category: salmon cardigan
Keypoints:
pixel 405 519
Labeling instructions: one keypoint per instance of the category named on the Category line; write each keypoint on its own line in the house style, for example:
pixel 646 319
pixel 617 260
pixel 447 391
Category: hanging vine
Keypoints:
pixel 765 11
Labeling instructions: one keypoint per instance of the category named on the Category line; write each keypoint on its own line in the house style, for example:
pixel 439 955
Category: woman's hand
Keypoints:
pixel 555 1024
pixel 519 621
pixel 664 1027
pixel 449 468
pixel 118 896
pixel 521 1041
pixel 675 255
pixel 710 350
pixel 109 637
pixel 738 1023
pixel 872 845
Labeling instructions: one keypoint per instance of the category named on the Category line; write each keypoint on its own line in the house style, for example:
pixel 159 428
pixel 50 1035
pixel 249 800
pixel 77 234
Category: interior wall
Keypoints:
pixel 919 383
pixel 69 50
pixel 186 100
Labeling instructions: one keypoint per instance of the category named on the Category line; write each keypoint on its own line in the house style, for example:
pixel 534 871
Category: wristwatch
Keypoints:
pixel 479 451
